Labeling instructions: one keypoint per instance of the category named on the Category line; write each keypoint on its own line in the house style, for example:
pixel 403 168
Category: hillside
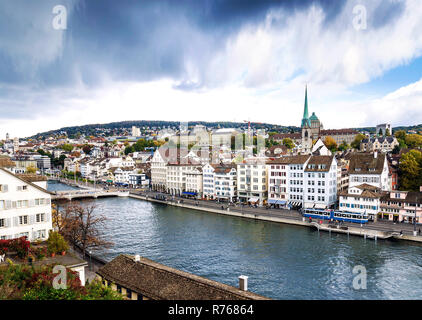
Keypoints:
pixel 124 127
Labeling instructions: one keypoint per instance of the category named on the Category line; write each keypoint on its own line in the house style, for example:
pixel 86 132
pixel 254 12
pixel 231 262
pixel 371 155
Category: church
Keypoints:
pixel 312 129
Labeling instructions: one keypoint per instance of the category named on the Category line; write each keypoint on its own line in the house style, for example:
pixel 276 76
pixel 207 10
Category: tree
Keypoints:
pixel 83 227
pixel 414 140
pixel 129 149
pixel 67 147
pixel 387 132
pixel 31 170
pixel 400 134
pixel 396 150
pixel 358 139
pixel 331 144
pixel 288 143
pixel 380 132
pixel 344 146
pixel 86 149
pixel 410 170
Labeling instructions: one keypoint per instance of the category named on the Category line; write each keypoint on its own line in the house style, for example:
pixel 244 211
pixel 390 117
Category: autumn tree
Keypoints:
pixel 83 227
pixel 331 144
pixel 31 170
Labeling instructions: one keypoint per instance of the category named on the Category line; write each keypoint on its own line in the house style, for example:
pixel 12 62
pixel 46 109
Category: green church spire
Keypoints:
pixel 305 120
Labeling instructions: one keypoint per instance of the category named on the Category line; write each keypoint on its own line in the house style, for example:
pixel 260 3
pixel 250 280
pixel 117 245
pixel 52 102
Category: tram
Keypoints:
pixel 335 215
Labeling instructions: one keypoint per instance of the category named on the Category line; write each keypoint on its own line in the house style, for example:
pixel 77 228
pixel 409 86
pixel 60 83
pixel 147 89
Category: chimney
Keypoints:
pixel 243 283
pixel 375 154
pixel 137 258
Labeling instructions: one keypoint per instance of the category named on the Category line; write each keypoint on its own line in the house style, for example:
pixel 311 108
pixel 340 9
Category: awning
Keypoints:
pixel 253 199
pixel 190 193
pixel 272 201
pixel 295 203
pixel 109 181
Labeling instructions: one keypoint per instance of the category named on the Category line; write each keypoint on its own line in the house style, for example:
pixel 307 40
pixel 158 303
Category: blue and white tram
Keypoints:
pixel 335 215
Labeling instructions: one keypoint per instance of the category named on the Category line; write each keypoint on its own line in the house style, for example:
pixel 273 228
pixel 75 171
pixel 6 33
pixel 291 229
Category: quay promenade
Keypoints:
pixel 372 230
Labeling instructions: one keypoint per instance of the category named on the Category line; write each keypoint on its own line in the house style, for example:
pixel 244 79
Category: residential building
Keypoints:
pixel 176 178
pixel 363 199
pixel 138 180
pixel 401 206
pixel 381 144
pixel 252 181
pixel 285 180
pixel 320 182
pixel 25 208
pixel 369 168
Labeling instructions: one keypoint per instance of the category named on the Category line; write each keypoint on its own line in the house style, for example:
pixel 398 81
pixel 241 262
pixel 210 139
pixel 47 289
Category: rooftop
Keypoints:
pixel 160 282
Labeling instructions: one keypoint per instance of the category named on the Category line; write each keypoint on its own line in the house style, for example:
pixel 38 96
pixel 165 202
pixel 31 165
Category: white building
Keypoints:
pixel 220 182
pixel 252 181
pixel 371 169
pixel 285 180
pixel 136 132
pixel 25 208
pixel 176 178
pixel 361 199
pixel 121 175
pixel 158 171
pixel 320 182
pixel 138 180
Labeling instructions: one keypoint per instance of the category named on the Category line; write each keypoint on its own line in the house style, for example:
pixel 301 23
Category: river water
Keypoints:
pixel 281 261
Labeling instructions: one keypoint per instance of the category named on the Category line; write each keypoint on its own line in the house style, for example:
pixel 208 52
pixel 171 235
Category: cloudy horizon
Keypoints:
pixel 210 60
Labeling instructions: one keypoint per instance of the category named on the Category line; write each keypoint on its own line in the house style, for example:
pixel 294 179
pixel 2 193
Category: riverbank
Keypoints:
pixel 367 233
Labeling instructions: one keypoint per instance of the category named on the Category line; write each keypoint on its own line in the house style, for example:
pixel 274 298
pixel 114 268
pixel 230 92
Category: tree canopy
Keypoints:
pixel 410 170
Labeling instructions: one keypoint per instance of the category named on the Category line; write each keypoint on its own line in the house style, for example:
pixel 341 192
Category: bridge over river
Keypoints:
pixel 78 194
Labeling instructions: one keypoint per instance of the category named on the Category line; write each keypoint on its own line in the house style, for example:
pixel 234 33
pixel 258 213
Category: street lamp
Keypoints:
pixel 90 260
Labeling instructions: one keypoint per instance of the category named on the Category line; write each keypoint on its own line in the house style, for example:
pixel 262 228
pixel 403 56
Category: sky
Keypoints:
pixel 76 62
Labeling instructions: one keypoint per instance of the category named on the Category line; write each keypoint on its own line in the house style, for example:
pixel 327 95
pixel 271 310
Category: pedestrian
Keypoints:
pixel 419 231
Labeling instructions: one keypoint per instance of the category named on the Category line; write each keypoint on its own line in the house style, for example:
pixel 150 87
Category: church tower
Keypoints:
pixel 306 127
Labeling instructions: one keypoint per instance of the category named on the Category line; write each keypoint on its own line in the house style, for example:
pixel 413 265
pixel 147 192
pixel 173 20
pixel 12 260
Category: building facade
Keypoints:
pixel 25 208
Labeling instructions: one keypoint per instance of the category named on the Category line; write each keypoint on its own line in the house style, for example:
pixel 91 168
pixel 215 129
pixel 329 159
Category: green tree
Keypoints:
pixel 343 146
pixel 400 134
pixel 129 149
pixel 67 147
pixel 410 170
pixel 358 139
pixel 414 140
pixel 288 143
pixel 387 132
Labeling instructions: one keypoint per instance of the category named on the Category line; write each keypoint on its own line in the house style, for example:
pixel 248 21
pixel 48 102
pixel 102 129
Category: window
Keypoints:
pixel 129 293
pixel 23 220
pixel 39 217
pixel 2 223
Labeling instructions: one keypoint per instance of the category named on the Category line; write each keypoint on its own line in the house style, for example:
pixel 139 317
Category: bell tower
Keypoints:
pixel 306 127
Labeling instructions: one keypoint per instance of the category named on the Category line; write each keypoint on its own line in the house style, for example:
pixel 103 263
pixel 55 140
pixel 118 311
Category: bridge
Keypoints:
pixel 79 194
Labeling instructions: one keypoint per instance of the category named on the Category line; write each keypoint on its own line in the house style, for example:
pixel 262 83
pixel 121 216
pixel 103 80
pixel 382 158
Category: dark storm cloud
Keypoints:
pixel 137 40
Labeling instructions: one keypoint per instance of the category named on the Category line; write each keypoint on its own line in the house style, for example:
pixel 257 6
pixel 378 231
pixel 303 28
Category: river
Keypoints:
pixel 281 261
